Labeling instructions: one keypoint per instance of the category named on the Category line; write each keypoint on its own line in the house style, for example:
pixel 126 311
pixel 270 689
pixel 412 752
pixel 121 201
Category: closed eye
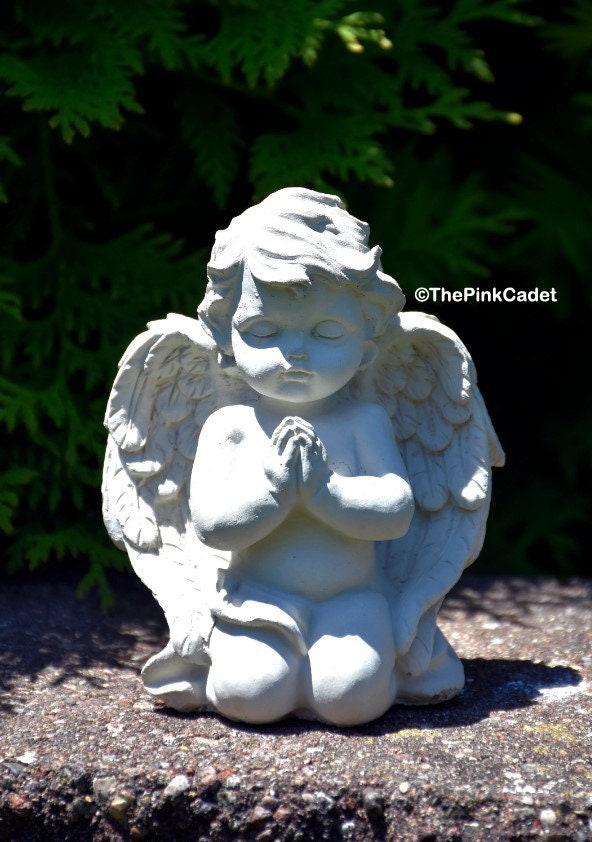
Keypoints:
pixel 328 329
pixel 262 329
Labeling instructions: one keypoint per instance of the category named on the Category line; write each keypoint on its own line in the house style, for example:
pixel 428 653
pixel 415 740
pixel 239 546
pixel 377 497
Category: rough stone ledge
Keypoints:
pixel 86 755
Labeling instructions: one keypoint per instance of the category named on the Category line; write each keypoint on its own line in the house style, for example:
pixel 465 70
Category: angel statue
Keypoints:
pixel 299 475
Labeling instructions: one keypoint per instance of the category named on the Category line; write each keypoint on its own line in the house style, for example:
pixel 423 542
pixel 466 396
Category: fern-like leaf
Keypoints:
pixel 262 39
pixel 339 147
pixel 212 133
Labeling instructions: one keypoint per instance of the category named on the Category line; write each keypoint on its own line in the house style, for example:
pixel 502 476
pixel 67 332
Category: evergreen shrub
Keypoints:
pixel 131 131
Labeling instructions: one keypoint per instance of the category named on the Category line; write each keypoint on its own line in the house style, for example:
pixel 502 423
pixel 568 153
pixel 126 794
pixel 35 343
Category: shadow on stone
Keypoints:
pixel 514 600
pixel 492 685
pixel 46 629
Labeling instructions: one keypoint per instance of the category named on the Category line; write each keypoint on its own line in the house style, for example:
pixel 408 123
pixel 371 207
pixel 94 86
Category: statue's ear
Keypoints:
pixel 370 353
pixel 215 312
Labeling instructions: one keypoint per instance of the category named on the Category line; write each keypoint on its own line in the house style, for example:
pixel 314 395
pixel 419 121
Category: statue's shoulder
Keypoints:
pixel 230 423
pixel 368 414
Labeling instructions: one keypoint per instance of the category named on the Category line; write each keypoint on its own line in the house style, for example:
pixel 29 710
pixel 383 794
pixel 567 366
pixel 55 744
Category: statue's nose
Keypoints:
pixel 296 348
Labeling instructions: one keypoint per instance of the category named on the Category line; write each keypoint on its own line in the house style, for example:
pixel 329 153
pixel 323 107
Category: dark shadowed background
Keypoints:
pixel 130 132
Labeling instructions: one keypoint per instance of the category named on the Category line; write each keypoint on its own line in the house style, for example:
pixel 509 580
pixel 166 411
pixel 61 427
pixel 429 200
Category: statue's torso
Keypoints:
pixel 308 558
pixel 304 555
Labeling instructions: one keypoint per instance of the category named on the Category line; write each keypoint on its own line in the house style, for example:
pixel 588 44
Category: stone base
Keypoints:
pixel 86 754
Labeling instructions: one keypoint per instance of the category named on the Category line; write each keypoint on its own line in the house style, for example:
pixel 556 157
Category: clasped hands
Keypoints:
pixel 296 461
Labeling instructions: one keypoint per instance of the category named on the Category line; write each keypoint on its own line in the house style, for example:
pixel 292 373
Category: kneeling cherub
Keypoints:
pixel 262 468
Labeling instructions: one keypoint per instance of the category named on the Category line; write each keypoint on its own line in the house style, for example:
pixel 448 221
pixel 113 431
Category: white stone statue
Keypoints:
pixel 299 476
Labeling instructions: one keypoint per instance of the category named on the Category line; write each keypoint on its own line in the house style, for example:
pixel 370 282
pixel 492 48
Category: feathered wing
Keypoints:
pixel 426 379
pixel 167 384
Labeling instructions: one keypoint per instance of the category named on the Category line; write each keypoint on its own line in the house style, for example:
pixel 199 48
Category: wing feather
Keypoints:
pixel 419 385
pixel 433 430
pixel 127 515
pixel 406 415
pixel 427 474
pixel 164 390
pixel 452 411
pixel 448 445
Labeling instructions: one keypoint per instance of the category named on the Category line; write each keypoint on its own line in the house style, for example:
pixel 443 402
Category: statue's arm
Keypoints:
pixel 375 506
pixel 239 491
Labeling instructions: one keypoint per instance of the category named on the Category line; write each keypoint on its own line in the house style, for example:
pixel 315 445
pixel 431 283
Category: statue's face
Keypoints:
pixel 297 343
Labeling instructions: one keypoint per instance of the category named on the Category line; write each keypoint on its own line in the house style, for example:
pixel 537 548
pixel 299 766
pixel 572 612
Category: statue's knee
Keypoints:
pixel 253 677
pixel 352 660
pixel 352 685
pixel 352 699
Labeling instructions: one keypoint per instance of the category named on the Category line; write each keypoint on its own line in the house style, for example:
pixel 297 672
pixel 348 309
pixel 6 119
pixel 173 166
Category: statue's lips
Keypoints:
pixel 296 374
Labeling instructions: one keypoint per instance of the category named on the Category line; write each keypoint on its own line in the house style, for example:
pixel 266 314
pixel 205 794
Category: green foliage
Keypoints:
pixel 250 44
pixel 522 534
pixel 553 191
pixel 10 482
pixel 133 130
pixel 573 37
pixel 445 231
pixel 8 155
pixel 556 197
pixel 211 131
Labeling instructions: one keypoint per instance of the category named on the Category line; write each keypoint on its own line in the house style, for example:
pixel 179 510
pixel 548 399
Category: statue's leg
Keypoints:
pixel 351 658
pixel 255 673
pixel 443 678
pixel 176 680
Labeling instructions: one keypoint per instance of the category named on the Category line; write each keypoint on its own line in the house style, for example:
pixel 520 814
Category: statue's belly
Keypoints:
pixel 306 557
